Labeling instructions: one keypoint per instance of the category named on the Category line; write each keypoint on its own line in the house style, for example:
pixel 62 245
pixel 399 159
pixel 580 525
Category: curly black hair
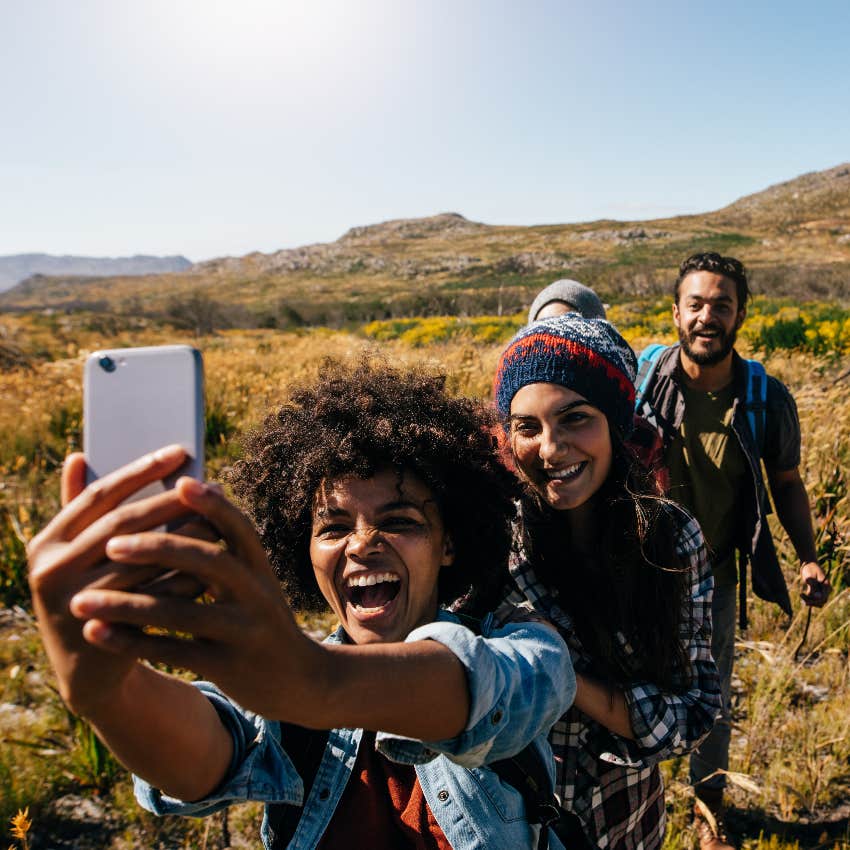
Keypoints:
pixel 357 419
pixel 710 261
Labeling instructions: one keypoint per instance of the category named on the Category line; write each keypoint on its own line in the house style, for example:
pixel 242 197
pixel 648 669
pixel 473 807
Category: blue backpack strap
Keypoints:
pixel 646 364
pixel 756 402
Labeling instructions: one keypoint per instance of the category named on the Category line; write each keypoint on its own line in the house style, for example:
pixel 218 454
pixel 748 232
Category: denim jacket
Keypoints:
pixel 520 681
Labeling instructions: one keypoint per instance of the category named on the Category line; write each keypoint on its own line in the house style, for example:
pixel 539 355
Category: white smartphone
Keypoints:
pixel 136 400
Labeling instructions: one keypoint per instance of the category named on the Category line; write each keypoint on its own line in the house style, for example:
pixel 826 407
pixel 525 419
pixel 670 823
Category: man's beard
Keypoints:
pixel 708 358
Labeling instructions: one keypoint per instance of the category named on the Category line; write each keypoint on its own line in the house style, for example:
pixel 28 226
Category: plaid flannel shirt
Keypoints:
pixel 612 784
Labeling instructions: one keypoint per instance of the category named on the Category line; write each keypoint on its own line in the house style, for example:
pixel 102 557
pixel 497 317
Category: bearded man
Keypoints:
pixel 698 396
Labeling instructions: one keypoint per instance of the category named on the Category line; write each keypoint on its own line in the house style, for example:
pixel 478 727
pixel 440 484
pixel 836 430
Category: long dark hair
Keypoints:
pixel 633 590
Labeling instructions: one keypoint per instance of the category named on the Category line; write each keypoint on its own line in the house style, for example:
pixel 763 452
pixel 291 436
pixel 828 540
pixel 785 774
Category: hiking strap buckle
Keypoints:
pixel 548 813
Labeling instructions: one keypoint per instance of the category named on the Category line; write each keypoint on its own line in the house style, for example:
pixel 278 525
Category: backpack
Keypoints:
pixel 755 402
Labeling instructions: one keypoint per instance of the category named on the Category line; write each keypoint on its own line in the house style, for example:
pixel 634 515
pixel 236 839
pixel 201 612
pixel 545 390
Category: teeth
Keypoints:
pixel 368 580
pixel 566 472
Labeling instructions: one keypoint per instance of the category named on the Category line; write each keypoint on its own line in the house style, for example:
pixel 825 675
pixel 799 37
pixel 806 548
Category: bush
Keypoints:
pixel 14 589
pixel 483 330
pixel 780 333
pixel 219 427
pixel 198 313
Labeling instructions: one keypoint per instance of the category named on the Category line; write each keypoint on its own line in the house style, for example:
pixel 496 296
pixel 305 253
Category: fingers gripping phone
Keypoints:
pixel 137 400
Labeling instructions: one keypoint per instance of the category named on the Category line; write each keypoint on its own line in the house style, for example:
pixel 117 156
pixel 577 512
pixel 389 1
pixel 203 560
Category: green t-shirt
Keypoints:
pixel 708 472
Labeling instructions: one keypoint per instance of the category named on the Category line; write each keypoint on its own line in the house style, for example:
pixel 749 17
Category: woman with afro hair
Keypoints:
pixel 376 494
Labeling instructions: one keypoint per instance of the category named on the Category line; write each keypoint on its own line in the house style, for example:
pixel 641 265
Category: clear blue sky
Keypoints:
pixel 213 128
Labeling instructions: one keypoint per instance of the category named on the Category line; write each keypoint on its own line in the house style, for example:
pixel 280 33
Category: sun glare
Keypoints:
pixel 217 45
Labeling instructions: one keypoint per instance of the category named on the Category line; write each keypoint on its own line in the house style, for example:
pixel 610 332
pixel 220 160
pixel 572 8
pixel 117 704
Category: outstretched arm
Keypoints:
pixel 795 514
pixel 246 640
pixel 166 731
pixel 92 612
pixel 158 726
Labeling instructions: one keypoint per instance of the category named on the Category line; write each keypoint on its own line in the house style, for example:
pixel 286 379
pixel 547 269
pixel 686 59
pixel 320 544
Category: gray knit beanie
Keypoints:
pixel 576 294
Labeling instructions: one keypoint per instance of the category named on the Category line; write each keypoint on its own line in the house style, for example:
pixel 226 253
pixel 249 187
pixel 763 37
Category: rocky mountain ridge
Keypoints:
pixel 794 237
pixel 17 267
pixel 817 200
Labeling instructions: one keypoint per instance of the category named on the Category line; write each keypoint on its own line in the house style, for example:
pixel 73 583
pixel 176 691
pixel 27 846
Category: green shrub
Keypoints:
pixel 14 589
pixel 782 333
pixel 219 427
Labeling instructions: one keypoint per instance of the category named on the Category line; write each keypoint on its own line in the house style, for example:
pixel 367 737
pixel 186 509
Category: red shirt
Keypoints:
pixel 382 808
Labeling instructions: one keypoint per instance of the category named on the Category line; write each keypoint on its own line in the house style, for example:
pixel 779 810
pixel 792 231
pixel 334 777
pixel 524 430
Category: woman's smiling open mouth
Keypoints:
pixel 372 592
pixel 565 473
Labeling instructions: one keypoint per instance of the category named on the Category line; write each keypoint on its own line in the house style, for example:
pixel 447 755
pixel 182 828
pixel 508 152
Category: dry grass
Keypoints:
pixel 791 742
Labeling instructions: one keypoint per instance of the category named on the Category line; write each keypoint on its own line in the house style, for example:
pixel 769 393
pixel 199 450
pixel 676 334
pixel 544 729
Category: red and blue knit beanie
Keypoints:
pixel 587 356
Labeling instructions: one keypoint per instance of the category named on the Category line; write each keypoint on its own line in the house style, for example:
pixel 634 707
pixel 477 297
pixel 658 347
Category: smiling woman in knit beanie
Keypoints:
pixel 621 572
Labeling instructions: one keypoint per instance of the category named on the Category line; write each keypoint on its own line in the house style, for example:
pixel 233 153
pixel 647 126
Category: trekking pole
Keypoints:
pixel 805 634
pixel 828 563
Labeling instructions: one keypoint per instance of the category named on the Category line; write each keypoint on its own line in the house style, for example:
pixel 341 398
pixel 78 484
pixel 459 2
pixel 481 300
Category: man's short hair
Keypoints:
pixel 710 261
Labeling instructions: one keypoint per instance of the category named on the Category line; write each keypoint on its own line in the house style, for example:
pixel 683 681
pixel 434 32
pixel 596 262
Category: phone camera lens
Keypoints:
pixel 107 364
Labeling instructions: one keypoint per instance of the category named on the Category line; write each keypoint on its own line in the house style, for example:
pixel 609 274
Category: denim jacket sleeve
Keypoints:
pixel 259 770
pixel 520 681
pixel 668 723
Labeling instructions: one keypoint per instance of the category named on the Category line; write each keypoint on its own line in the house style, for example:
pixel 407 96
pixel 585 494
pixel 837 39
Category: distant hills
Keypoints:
pixel 18 267
pixel 794 237
pixel 819 200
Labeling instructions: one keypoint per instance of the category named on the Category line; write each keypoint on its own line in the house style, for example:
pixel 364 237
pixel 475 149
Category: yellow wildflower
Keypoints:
pixel 21 823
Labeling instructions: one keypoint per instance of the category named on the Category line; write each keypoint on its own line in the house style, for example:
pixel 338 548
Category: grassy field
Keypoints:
pixel 791 741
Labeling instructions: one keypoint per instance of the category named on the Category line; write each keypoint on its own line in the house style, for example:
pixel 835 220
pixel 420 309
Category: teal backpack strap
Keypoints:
pixel 755 405
pixel 646 364
pixel 756 402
